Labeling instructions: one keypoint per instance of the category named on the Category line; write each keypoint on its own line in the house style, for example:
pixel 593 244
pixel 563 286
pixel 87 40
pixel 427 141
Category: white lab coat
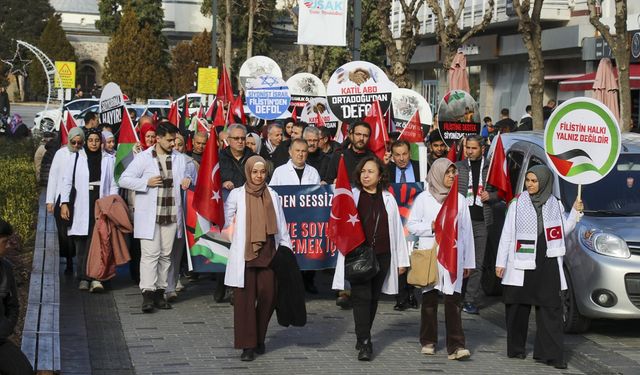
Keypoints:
pixel 135 177
pixel 286 175
pixel 399 251
pixel 506 249
pixel 235 214
pixel 423 212
pixel 61 161
pixel 80 226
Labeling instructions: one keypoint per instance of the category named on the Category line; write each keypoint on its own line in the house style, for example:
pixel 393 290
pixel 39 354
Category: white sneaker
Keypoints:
pixel 84 285
pixel 428 349
pixel 460 353
pixel 179 286
pixel 96 286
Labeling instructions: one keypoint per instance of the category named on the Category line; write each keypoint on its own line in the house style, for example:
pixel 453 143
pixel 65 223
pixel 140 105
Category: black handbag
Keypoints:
pixel 72 198
pixel 361 264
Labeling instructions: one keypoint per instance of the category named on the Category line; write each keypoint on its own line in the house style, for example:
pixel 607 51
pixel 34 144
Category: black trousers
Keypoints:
pixel 65 244
pixel 365 297
pixel 549 342
pixel 404 289
pixel 13 361
pixel 82 251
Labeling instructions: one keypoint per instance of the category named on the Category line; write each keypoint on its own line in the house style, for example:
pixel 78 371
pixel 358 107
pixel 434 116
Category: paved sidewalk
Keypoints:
pixel 197 337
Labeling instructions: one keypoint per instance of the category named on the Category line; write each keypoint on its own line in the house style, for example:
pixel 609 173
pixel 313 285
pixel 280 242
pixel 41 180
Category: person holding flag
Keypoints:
pixel 259 228
pixel 529 262
pixel 379 216
pixel 440 218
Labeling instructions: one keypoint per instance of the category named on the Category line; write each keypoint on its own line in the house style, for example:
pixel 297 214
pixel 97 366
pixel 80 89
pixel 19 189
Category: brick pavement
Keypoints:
pixel 197 337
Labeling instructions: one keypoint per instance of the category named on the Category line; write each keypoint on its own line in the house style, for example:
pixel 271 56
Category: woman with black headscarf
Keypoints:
pixel 255 212
pixel 92 178
pixel 529 261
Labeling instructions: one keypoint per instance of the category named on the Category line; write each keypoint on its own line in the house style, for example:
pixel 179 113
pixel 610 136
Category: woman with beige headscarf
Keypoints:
pixel 421 223
pixel 259 227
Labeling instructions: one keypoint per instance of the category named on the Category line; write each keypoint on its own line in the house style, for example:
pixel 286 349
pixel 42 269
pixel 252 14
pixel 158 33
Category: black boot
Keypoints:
pixel 413 302
pixel 247 355
pixel 366 351
pixel 159 301
pixel 147 301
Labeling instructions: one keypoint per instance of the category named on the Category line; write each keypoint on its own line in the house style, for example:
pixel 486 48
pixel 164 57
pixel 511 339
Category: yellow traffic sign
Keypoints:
pixel 208 80
pixel 67 72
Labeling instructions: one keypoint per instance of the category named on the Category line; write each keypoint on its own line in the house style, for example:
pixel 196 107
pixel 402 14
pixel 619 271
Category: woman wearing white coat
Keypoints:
pixel 422 223
pixel 380 216
pixel 93 180
pixel 259 227
pixel 64 157
pixel 529 261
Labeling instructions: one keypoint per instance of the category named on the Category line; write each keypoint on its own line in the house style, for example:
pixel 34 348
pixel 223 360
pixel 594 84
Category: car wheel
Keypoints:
pixel 573 321
pixel 46 125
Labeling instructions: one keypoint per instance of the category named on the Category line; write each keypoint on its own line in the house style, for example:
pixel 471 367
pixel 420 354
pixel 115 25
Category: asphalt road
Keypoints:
pixel 28 111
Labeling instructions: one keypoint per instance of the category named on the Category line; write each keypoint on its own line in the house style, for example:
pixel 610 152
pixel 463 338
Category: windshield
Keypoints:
pixel 618 194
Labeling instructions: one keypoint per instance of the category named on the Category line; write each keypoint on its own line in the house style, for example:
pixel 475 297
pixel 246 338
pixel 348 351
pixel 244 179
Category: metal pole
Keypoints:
pixel 214 33
pixel 357 28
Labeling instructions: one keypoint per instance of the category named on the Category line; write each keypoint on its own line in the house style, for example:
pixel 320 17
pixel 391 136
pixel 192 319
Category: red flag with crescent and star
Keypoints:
pixel 345 228
pixel 379 137
pixel 207 199
pixel 65 126
pixel 498 174
pixel 412 132
pixel 446 231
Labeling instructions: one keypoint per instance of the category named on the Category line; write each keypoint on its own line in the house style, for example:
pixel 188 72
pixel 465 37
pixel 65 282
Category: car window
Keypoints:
pixel 80 105
pixel 515 159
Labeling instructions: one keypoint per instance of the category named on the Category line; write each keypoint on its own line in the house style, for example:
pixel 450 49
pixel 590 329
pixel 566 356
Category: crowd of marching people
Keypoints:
pixel 138 218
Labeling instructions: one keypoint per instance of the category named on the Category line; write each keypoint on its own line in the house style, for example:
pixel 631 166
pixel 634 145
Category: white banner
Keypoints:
pixel 322 22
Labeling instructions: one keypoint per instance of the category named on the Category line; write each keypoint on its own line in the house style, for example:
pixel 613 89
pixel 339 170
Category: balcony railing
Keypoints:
pixel 474 11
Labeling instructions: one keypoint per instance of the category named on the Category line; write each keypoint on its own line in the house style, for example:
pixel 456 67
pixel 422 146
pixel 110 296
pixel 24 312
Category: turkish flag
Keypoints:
pixel 237 110
pixel 174 115
pixel 65 126
pixel 218 119
pixel 207 200
pixel 498 174
pixel 412 132
pixel 345 228
pixel 452 155
pixel 554 233
pixel 211 110
pixel 446 231
pixel 294 114
pixel 319 120
pixel 379 137
pixel 225 92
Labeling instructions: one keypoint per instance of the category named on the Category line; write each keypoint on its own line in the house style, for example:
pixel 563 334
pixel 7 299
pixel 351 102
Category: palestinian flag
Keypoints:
pixel 526 246
pixel 202 238
pixel 127 139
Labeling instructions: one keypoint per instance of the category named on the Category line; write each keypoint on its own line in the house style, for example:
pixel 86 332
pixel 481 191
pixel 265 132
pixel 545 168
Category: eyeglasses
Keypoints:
pixel 238 139
pixel 77 143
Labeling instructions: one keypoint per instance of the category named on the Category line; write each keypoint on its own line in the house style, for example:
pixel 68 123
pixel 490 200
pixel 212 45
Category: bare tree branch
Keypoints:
pixel 481 26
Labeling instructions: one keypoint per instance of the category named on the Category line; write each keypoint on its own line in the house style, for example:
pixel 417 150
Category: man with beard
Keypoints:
pixel 356 151
pixel 472 180
pixel 316 158
pixel 437 147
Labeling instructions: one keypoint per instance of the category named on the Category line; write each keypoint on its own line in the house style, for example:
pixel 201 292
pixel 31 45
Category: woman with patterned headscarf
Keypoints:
pixel 422 223
pixel 259 228
pixel 92 177
pixel 529 261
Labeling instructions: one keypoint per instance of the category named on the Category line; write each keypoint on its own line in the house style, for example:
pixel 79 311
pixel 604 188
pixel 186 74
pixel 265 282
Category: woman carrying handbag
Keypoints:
pixel 380 216
pixel 422 223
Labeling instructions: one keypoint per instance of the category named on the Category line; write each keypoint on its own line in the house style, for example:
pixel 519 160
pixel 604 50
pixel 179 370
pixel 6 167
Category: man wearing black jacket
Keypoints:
pixel 356 151
pixel 12 360
pixel 233 158
pixel 315 158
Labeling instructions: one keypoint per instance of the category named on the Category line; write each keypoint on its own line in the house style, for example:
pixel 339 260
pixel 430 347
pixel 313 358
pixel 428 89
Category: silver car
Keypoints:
pixel 602 262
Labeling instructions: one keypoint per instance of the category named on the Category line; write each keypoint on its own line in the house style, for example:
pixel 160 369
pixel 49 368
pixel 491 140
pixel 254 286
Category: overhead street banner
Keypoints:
pixel 67 72
pixel 323 22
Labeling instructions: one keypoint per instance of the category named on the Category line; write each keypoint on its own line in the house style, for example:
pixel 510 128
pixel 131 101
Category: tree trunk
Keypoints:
pixel 252 12
pixel 227 33
pixel 311 57
pixel 622 62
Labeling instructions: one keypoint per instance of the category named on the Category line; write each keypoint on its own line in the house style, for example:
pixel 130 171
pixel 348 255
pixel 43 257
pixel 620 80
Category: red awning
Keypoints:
pixel 585 82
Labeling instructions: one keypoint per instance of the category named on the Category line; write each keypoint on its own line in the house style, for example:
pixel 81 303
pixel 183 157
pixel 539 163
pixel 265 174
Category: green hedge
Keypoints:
pixel 18 187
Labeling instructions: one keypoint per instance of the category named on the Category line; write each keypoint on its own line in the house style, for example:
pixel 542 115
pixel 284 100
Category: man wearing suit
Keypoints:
pixel 472 183
pixel 403 170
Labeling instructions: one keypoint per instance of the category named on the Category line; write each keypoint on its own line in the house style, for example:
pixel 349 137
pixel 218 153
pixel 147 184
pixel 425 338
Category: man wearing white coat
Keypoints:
pixel 421 223
pixel 156 175
pixel 296 171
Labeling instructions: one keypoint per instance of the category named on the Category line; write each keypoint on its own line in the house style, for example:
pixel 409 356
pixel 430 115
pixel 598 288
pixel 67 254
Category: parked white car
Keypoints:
pixel 49 120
